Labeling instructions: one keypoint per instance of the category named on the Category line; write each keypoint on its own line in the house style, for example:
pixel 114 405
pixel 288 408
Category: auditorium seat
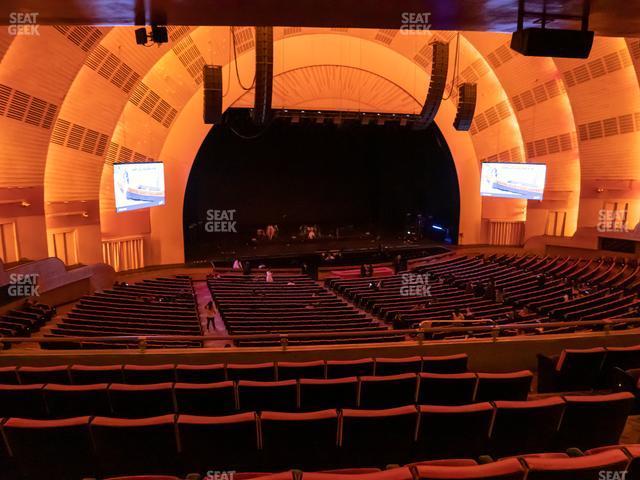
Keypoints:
pixel 318 394
pixel 446 388
pixel 65 401
pixel 572 370
pixel 212 373
pixel 205 399
pixel 259 372
pixel 8 375
pixel 624 358
pixel 275 396
pixel 445 364
pixel 23 401
pixel 454 431
pixel 350 368
pixel 218 443
pixel 594 421
pixel 589 467
pixel 56 374
pixel 92 374
pixel 136 446
pixel 632 451
pixel 388 391
pixel 299 440
pixel 525 426
pixel 142 374
pixel 507 469
pixel 296 370
pixel 376 438
pixel 402 473
pixel 57 449
pixel 503 386
pixel 397 366
pixel 138 401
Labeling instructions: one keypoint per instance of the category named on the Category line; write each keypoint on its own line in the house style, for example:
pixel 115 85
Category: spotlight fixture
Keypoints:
pixel 157 34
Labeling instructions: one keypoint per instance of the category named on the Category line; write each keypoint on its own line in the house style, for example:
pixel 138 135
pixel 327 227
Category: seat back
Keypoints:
pixel 624 358
pixel 580 369
pixel 138 401
pixel 402 473
pixel 298 370
pixel 258 372
pixel 445 364
pixel 350 368
pixel 512 386
pixel 396 366
pixel 299 440
pixel 274 396
pixel 229 442
pixel 22 401
pixel 591 421
pixel 57 374
pixel 65 401
pixel 388 391
pixel 212 373
pixel 318 394
pixel 608 464
pixel 454 431
pixel 525 426
pixel 446 388
pixel 205 399
pixel 145 374
pixel 93 374
pixel 507 469
pixel 9 375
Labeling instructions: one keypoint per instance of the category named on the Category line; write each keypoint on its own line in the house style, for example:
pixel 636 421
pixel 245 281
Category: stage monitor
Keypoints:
pixel 513 180
pixel 138 185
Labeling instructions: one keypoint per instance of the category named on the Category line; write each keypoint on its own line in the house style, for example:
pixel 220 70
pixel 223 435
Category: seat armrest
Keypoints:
pixel 575 452
pixel 482 459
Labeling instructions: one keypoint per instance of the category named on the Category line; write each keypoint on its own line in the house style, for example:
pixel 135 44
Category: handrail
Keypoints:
pixel 494 328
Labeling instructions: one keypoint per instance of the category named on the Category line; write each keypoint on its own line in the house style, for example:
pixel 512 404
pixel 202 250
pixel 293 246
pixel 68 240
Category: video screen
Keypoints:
pixel 138 185
pixel 513 180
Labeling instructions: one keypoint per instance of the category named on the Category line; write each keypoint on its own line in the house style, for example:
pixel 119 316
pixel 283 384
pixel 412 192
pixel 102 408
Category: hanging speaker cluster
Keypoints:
pixel 467 94
pixel 439 71
pixel 212 81
pixel 264 75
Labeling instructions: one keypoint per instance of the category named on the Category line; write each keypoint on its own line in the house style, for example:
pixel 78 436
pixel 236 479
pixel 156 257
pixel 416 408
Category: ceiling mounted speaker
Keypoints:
pixel 467 94
pixel 437 84
pixel 212 81
pixel 264 75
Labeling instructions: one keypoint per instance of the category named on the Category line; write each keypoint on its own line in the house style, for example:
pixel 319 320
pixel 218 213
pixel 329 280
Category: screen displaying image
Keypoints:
pixel 138 185
pixel 513 180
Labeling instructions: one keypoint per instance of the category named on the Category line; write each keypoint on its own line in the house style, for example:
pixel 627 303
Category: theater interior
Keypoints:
pixel 320 240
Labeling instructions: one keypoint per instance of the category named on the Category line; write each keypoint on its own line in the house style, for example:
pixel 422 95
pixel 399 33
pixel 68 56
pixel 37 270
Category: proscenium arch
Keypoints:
pixel 188 131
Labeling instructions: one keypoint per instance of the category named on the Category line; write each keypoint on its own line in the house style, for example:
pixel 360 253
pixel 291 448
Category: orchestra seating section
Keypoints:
pixel 24 320
pixel 290 304
pixel 162 306
pixel 501 289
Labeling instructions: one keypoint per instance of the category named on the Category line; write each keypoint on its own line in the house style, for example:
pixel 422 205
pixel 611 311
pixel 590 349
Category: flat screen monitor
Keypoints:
pixel 138 185
pixel 513 180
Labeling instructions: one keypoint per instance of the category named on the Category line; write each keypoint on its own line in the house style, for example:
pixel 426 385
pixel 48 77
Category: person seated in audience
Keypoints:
pixel 237 265
pixel 468 313
pixel 269 277
pixel 457 315
pixel 398 322
pixel 541 279
pixel 246 270
pixel 490 290
pixel 363 270
pixel 271 232
pixel 499 295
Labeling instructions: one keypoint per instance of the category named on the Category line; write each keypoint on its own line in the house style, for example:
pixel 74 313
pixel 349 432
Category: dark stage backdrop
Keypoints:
pixel 355 178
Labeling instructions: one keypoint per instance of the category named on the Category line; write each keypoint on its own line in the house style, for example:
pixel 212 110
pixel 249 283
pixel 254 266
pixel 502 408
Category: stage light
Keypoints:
pixel 437 227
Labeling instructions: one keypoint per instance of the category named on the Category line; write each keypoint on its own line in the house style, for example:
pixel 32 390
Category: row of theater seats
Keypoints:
pixel 228 397
pixel 24 320
pixel 289 304
pixel 273 441
pixel 162 306
pixel 209 373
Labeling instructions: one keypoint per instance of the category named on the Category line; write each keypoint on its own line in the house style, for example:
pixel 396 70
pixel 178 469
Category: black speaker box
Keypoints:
pixel 212 80
pixel 467 94
pixel 545 42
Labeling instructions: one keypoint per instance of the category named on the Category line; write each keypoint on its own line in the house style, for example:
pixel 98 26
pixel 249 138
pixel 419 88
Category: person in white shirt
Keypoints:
pixel 269 276
pixel 237 264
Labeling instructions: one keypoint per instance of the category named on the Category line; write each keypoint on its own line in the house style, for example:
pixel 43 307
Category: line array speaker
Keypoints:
pixel 264 75
pixel 212 80
pixel 547 42
pixel 437 84
pixel 467 94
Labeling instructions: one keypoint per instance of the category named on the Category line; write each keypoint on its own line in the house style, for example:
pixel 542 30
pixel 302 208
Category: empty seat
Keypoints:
pixel 57 374
pixel 9 375
pixel 141 374
pixel 24 401
pixel 624 358
pixel 206 399
pixel 445 364
pixel 402 473
pixel 507 469
pixel 276 396
pixel 138 401
pixel 503 386
pixel 446 388
pixel 388 391
pixel 605 465
pixel 93 374
pixel 299 440
pixel 525 426
pixel 594 421
pixel 51 448
pixel 570 371
pixel 220 443
pixel 349 368
pixel 454 431
pixel 296 370
pixel 200 373
pixel 259 372
pixel 64 401
pixel 395 366
pixel 317 394
pixel 376 438
pixel 127 446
